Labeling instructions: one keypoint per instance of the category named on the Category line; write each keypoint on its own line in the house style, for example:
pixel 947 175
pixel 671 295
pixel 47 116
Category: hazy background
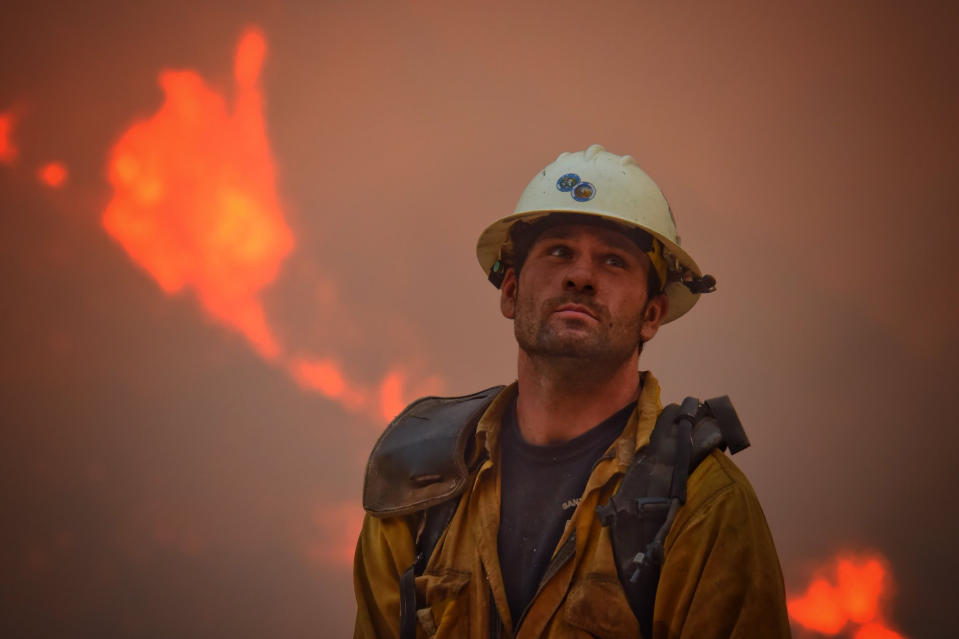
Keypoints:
pixel 161 478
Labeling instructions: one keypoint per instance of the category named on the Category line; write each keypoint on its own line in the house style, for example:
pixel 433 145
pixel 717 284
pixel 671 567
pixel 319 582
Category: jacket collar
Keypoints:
pixel 635 435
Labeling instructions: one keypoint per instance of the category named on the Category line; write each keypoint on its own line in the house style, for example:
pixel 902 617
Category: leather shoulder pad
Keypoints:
pixel 420 459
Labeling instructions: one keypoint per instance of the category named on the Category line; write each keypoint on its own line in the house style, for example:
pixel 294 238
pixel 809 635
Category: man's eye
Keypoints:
pixel 558 251
pixel 616 260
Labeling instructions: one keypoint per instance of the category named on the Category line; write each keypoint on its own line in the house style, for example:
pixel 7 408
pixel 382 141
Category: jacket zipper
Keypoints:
pixel 564 554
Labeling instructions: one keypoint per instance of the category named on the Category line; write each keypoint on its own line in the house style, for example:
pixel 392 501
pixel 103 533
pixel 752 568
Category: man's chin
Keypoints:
pixel 569 346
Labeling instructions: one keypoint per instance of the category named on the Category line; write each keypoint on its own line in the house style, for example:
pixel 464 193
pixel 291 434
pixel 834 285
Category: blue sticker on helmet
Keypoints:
pixel 567 182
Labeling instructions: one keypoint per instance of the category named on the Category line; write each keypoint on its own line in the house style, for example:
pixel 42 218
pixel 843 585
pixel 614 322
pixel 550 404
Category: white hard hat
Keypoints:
pixel 598 183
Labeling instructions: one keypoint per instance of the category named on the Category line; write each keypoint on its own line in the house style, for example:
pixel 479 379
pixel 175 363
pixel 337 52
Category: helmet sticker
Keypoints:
pixel 567 182
pixel 572 184
pixel 583 192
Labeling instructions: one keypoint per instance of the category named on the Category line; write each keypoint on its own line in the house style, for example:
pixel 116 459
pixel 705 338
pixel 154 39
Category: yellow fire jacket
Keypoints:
pixel 720 575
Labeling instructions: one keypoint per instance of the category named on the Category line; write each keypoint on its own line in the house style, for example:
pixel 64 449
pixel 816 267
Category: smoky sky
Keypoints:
pixel 162 478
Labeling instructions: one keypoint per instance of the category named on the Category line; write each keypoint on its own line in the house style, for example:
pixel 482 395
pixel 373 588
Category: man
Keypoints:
pixel 589 267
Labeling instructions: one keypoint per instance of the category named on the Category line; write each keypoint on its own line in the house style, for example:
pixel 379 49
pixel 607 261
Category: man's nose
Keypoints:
pixel 580 276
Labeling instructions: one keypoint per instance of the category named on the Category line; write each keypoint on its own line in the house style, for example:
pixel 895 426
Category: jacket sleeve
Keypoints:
pixel 721 576
pixel 384 551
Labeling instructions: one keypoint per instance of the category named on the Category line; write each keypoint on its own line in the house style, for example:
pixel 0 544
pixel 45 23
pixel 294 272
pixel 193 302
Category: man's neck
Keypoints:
pixel 561 400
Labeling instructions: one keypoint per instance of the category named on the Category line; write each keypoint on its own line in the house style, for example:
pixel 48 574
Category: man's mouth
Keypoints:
pixel 573 310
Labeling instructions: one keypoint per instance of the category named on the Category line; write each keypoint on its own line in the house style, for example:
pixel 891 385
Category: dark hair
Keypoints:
pixel 524 234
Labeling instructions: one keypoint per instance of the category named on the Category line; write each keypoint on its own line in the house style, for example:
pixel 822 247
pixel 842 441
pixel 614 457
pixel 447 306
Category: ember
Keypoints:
pixel 8 152
pixel 52 174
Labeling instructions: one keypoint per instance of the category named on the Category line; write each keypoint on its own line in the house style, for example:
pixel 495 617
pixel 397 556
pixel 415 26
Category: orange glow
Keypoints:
pixel 850 592
pixel 8 152
pixel 194 196
pixel 339 526
pixel 195 204
pixel 876 631
pixel 52 174
pixel 819 609
pixel 860 587
pixel 391 395
pixel 394 394
pixel 326 376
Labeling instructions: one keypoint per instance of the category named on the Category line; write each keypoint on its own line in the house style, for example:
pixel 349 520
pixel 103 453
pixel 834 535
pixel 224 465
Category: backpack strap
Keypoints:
pixel 640 513
pixel 434 521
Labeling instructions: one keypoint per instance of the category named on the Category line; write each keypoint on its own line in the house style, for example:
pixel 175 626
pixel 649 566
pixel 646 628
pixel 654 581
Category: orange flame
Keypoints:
pixel 327 377
pixel 819 609
pixel 195 204
pixel 391 395
pixel 195 200
pixel 52 174
pixel 876 631
pixel 8 152
pixel 851 593
pixel 860 587
pixel 395 392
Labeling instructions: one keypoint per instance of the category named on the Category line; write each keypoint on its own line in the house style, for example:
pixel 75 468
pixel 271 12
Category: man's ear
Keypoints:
pixel 656 310
pixel 507 294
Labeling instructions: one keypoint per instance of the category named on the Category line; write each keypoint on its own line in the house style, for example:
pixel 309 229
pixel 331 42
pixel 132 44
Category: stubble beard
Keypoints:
pixel 571 347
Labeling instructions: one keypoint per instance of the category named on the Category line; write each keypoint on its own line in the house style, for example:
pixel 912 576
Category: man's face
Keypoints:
pixel 582 294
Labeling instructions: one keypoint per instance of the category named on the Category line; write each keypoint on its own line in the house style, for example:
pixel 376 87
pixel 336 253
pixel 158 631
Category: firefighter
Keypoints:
pixel 483 511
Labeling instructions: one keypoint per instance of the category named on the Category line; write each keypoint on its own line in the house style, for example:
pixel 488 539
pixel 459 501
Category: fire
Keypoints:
pixel 52 174
pixel 876 631
pixel 391 396
pixel 819 609
pixel 195 204
pixel 860 587
pixel 8 152
pixel 326 376
pixel 850 592
pixel 195 200
pixel 395 392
